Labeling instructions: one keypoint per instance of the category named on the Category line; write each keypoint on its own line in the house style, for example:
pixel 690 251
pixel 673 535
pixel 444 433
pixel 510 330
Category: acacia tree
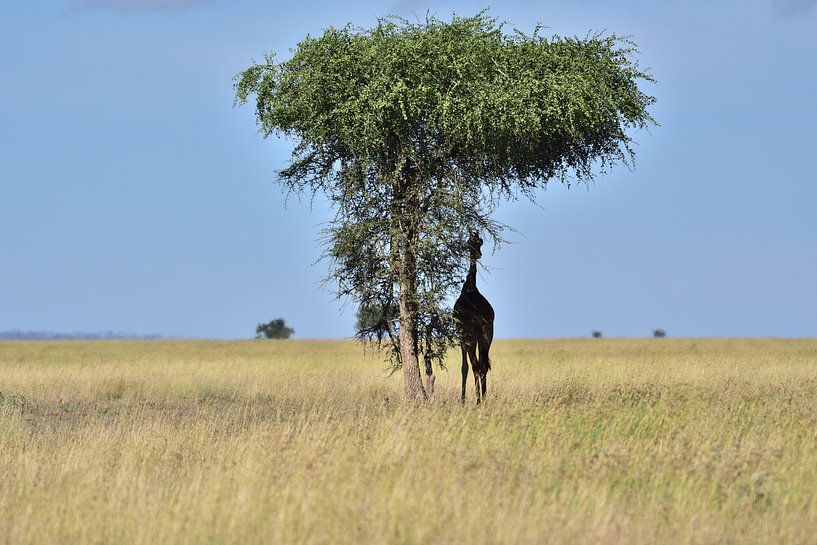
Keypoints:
pixel 416 131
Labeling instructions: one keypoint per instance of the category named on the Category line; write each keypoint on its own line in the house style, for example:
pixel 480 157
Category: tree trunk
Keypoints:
pixel 404 222
pixel 408 356
pixel 408 328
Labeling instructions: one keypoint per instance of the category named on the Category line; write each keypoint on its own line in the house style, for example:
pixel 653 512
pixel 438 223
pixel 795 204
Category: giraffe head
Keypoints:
pixel 475 245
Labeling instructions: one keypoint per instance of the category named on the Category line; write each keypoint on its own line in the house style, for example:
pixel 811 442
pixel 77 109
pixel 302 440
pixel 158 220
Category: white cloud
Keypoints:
pixel 133 6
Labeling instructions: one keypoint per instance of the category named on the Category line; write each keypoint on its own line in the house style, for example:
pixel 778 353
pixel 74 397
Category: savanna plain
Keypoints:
pixel 310 442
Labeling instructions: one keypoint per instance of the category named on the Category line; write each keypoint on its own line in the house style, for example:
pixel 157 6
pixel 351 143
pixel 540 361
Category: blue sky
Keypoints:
pixel 134 197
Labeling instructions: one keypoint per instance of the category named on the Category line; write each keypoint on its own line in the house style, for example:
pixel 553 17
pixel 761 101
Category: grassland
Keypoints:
pixel 580 442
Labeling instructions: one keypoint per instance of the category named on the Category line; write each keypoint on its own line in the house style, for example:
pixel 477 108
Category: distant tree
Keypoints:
pixel 415 132
pixel 275 329
pixel 659 333
pixel 597 334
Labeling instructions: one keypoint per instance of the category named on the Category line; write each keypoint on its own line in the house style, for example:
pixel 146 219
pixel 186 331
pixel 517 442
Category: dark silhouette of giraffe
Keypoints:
pixel 475 318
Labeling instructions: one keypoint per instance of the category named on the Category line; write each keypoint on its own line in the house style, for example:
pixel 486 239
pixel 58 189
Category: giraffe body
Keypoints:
pixel 475 318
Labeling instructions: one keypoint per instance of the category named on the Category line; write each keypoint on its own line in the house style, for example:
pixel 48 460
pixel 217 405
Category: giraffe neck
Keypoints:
pixel 471 279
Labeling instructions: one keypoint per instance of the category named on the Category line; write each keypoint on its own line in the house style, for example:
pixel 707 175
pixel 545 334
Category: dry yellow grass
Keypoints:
pixel 580 441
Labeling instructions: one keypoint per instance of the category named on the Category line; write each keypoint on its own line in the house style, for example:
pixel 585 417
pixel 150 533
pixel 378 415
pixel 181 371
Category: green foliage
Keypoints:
pixel 274 329
pixel 415 132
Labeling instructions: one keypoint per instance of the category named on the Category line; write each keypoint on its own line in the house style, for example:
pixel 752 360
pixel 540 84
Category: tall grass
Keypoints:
pixel 580 441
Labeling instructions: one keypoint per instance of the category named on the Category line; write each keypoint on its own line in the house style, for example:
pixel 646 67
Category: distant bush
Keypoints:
pixel 596 334
pixel 375 321
pixel 275 329
pixel 659 333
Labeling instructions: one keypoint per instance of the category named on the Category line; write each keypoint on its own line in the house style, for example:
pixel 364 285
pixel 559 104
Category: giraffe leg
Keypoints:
pixel 464 372
pixel 472 353
pixel 484 365
pixel 429 368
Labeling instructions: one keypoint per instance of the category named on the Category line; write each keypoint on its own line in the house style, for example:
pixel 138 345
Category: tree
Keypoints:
pixel 416 131
pixel 274 329
pixel 659 333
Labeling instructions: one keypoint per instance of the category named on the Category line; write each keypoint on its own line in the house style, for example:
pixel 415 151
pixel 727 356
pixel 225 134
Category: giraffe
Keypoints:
pixel 475 318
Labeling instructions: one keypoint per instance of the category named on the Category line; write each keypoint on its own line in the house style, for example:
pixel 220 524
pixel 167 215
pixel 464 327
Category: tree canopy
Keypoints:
pixel 274 329
pixel 415 131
